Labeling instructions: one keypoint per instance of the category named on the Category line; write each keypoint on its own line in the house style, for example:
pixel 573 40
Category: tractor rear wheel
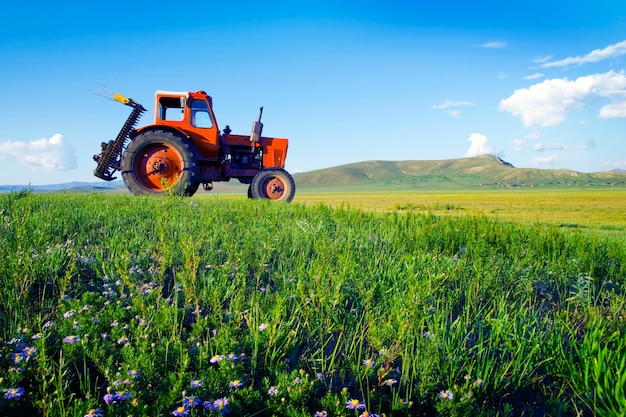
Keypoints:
pixel 273 184
pixel 158 161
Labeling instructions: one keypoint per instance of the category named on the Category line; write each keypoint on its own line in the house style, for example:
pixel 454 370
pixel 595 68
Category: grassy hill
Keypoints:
pixel 485 171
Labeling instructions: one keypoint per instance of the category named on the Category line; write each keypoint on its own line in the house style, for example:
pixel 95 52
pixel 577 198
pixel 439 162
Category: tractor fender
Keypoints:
pixel 166 128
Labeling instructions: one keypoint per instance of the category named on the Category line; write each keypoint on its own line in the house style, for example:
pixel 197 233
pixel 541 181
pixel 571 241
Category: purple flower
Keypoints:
pixel 272 391
pixel 180 411
pixel 322 413
pixel 368 414
pixel 446 395
pixel 220 405
pixel 122 395
pixel 13 393
pixel 236 384
pixel 232 357
pixel 196 383
pixel 108 398
pixel 389 382
pixel 191 401
pixel 216 358
pixel 263 326
pixel 368 362
pixel 134 373
pixel 71 339
pixel 354 404
pixel 94 412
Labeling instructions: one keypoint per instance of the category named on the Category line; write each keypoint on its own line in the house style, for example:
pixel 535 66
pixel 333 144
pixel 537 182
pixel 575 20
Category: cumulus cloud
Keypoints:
pixel 546 104
pixel 451 107
pixel 518 145
pixel 479 145
pixel 544 161
pixel 596 55
pixel 587 145
pixel 493 45
pixel 46 155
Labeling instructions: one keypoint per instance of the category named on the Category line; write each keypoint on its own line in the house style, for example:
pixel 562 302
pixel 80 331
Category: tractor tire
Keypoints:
pixel 273 184
pixel 158 162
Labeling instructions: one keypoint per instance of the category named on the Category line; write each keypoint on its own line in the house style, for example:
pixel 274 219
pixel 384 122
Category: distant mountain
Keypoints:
pixel 479 172
pixel 76 186
pixel 485 171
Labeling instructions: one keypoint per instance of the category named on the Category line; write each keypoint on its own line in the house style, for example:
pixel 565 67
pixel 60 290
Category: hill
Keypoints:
pixel 485 171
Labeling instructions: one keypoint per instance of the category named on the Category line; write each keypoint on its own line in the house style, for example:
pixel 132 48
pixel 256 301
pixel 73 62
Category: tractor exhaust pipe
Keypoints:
pixel 257 128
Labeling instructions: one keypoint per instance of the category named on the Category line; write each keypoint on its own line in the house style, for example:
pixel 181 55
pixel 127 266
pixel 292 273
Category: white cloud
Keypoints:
pixel 546 104
pixel 493 45
pixel 544 161
pixel 46 155
pixel 540 147
pixel 534 76
pixel 616 165
pixel 518 145
pixel 448 103
pixel 596 55
pixel 587 145
pixel 452 107
pixel 479 145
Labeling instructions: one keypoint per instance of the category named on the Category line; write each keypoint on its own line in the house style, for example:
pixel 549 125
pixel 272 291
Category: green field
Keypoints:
pixel 502 303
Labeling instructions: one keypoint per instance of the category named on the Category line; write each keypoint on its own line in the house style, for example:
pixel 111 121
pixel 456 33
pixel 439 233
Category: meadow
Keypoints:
pixel 115 305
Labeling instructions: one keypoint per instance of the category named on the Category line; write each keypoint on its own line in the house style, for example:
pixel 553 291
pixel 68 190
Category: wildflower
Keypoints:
pixel 134 373
pixel 108 398
pixel 121 340
pixel 114 323
pixel 17 357
pixel 47 324
pixel 76 325
pixel 389 382
pixel 446 395
pixel 180 411
pixel 71 339
pixel 427 334
pixel 236 384
pixel 368 362
pixel 104 335
pixel 220 405
pixel 122 395
pixel 36 336
pixel 232 357
pixel 196 383
pixel 29 351
pixel 191 401
pixel 354 404
pixel 13 393
pixel 368 414
pixel 216 358
pixel 94 412
pixel 196 311
pixel 322 413
pixel 272 391
pixel 263 326
pixel 68 314
pixel 479 382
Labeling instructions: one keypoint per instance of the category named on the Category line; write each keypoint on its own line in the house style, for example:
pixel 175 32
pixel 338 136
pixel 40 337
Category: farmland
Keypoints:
pixel 404 304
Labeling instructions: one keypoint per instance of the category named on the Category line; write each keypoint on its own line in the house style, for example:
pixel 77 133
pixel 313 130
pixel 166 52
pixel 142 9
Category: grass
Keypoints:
pixel 118 305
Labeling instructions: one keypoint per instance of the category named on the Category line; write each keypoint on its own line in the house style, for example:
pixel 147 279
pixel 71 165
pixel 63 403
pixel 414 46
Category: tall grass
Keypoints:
pixel 117 305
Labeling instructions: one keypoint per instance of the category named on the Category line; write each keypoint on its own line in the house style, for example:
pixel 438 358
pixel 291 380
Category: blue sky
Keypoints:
pixel 539 83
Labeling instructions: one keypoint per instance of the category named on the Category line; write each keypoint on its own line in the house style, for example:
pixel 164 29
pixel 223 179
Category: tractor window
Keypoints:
pixel 171 108
pixel 200 116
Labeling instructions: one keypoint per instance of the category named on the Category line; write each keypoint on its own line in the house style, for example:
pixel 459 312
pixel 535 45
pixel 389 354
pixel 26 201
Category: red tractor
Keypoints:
pixel 184 148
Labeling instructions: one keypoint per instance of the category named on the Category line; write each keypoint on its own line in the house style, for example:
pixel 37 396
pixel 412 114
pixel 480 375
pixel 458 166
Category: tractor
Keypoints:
pixel 184 148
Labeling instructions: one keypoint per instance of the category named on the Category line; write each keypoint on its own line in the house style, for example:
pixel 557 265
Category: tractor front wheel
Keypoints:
pixel 158 161
pixel 273 184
